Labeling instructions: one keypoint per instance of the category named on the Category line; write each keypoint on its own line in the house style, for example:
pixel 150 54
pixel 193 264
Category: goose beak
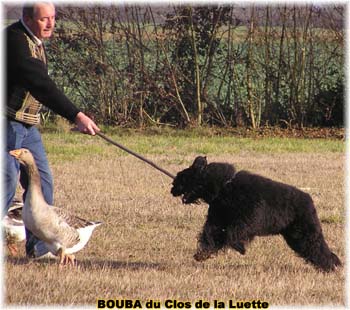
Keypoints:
pixel 15 153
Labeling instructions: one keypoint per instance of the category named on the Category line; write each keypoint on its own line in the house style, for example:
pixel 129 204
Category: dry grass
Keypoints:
pixel 144 249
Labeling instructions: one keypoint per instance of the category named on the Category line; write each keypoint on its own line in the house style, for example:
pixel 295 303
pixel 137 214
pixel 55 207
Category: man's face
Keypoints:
pixel 43 21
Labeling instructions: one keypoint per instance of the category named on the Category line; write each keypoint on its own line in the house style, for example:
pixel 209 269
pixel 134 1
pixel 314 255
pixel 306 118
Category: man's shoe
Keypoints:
pixel 37 249
pixel 30 242
pixel 41 251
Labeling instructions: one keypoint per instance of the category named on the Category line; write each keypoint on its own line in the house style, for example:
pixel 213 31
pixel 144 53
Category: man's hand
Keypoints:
pixel 86 124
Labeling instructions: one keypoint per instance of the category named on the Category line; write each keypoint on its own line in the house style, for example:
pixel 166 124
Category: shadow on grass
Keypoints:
pixel 16 260
pixel 110 264
pixel 87 264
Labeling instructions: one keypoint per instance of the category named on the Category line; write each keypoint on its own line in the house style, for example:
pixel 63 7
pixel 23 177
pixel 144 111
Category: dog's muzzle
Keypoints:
pixel 184 199
pixel 188 198
pixel 176 192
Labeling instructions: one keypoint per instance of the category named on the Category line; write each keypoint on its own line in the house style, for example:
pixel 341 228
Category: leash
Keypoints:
pixel 135 154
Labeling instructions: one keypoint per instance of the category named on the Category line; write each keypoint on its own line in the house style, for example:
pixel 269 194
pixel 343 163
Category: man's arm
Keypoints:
pixel 31 74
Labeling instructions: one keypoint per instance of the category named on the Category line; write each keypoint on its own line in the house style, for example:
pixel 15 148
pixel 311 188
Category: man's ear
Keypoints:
pixel 27 20
pixel 199 163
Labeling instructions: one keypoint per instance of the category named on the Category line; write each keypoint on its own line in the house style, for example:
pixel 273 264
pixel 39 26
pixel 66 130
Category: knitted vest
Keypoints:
pixel 22 106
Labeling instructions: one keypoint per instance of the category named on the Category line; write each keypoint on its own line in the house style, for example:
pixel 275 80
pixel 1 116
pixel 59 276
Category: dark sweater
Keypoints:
pixel 31 74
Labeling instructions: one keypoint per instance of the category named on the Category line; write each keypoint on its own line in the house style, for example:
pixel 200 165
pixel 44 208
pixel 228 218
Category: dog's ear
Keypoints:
pixel 199 163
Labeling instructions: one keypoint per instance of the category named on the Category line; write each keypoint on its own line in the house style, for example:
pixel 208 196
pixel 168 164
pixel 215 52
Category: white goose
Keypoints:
pixel 13 227
pixel 63 233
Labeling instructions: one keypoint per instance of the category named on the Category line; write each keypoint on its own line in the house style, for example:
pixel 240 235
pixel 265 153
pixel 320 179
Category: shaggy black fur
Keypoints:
pixel 243 205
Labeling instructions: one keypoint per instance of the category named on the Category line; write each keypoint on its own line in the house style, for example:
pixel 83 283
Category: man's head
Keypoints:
pixel 40 19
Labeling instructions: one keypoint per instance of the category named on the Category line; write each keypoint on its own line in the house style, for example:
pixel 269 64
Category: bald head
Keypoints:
pixel 40 18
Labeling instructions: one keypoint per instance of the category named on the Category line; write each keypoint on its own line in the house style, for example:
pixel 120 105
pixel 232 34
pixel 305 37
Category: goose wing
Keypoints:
pixel 72 220
pixel 72 228
pixel 66 227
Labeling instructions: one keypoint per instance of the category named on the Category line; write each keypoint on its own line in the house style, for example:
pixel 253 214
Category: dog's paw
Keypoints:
pixel 239 247
pixel 201 256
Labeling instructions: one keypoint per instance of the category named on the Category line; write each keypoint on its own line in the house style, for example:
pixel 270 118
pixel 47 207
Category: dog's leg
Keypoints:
pixel 211 240
pixel 215 237
pixel 238 236
pixel 308 242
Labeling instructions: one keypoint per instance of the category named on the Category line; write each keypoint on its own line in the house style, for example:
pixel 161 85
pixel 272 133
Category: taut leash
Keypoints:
pixel 135 154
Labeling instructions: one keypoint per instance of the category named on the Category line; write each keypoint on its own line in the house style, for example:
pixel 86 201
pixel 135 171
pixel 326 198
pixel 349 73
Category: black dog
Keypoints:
pixel 243 205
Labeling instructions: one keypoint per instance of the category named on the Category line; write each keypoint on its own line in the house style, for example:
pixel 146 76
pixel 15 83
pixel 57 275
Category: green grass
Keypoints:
pixel 71 145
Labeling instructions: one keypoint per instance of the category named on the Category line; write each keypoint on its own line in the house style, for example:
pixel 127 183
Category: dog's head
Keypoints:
pixel 188 182
pixel 202 180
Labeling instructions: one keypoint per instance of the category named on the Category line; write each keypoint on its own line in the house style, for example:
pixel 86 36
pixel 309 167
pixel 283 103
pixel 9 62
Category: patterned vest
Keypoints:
pixel 22 106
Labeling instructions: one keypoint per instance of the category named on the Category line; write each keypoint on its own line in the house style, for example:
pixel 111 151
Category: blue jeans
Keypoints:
pixel 24 136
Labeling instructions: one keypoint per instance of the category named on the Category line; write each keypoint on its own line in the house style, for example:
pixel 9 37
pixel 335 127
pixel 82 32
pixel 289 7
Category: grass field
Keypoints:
pixel 144 248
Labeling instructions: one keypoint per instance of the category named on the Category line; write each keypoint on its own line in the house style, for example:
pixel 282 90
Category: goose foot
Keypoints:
pixel 69 259
pixel 65 259
pixel 12 249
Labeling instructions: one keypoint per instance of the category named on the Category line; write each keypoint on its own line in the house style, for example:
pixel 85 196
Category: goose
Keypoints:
pixel 62 232
pixel 13 226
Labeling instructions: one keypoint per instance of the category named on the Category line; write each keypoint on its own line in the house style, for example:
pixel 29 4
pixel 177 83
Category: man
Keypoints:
pixel 28 87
